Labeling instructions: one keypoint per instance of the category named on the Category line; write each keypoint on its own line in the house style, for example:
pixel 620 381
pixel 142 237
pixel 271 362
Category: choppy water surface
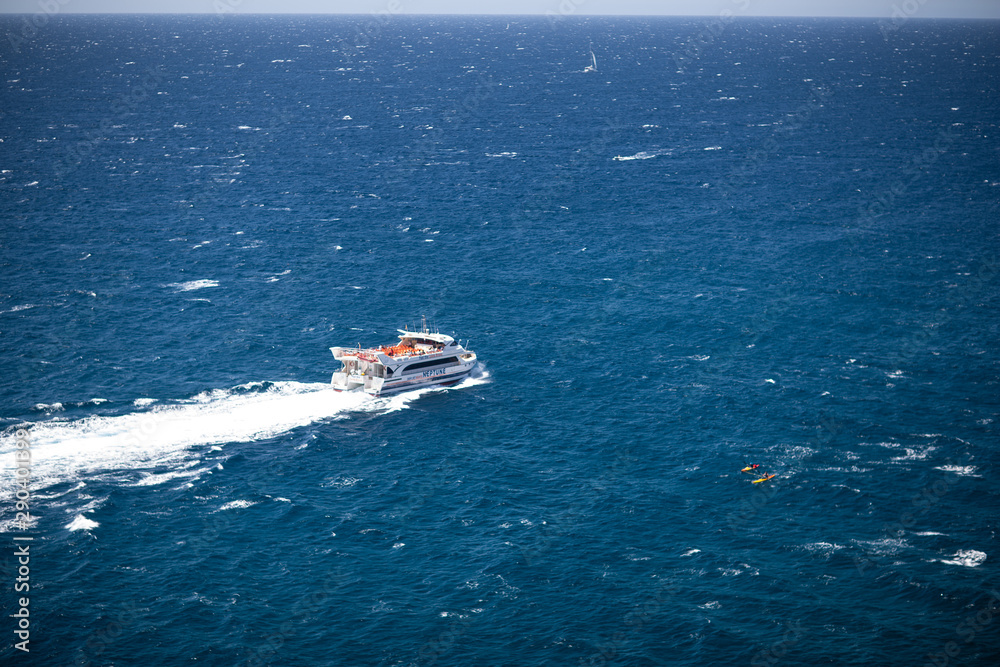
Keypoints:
pixel 779 248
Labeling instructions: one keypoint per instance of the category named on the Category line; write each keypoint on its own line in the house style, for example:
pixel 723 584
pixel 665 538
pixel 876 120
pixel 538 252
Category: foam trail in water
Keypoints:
pixel 164 434
pixel 62 450
pixel 478 376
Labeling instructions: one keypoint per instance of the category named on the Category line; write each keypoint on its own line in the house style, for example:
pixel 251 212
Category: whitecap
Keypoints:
pixel 966 558
pixel 15 309
pixel 95 503
pixel 822 547
pixel 236 504
pixel 53 496
pixel 193 285
pixel 883 547
pixel 81 523
pixel 150 479
pixel 342 482
pixel 914 454
pixel 641 155
pixel 962 471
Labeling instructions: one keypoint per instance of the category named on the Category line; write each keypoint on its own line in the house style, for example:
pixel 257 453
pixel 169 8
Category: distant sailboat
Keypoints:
pixel 592 67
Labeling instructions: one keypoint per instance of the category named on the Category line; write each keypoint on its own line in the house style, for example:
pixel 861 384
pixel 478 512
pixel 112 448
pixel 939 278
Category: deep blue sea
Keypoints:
pixel 744 241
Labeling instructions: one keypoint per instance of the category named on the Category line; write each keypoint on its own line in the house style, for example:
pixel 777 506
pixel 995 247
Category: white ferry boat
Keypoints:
pixel 419 359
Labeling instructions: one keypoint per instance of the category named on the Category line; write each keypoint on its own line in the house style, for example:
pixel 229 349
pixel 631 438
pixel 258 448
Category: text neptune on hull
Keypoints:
pixel 420 359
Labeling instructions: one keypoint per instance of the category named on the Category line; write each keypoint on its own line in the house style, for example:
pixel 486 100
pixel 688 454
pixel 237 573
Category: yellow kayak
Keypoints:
pixel 763 479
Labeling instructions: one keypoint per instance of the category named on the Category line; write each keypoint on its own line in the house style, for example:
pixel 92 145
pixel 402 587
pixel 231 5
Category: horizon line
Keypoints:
pixel 547 15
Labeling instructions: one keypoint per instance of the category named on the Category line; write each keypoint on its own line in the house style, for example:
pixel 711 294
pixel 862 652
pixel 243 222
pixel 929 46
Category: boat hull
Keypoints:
pixel 451 376
pixel 408 385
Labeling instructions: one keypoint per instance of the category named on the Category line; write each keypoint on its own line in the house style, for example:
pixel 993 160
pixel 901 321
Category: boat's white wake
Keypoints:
pixel 163 434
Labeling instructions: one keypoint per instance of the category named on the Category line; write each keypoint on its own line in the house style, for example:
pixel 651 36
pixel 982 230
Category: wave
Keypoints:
pixel 887 546
pixel 962 471
pixel 193 285
pixel 642 155
pixel 15 309
pixel 81 523
pixel 826 549
pixel 236 504
pixel 965 558
pixel 914 454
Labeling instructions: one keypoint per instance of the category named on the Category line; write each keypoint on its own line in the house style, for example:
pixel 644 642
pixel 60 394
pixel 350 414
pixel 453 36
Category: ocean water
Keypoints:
pixel 767 241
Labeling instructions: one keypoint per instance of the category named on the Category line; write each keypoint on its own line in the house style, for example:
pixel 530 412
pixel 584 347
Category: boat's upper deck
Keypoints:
pixel 409 348
pixel 411 344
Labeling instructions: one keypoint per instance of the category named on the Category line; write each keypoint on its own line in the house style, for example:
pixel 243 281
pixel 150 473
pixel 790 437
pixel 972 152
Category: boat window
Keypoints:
pixel 428 364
